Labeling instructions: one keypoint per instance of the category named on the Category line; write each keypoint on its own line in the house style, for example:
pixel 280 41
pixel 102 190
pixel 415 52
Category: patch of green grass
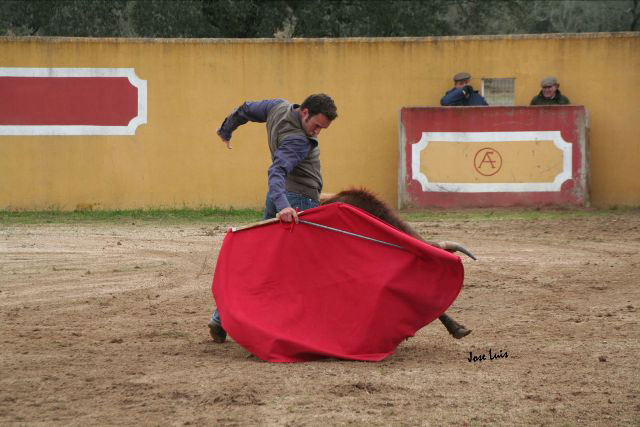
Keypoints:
pixel 501 214
pixel 239 216
pixel 142 215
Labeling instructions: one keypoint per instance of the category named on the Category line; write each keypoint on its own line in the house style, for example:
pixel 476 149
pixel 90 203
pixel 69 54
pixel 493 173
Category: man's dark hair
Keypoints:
pixel 320 103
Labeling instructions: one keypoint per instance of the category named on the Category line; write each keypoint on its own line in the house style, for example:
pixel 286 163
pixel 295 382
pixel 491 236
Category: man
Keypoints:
pixel 462 94
pixel 550 93
pixel 294 177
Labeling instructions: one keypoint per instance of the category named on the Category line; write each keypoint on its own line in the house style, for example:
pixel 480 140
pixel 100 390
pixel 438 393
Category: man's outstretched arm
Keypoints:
pixel 247 112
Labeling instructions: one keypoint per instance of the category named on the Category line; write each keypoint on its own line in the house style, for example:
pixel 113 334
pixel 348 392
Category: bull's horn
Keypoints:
pixel 453 246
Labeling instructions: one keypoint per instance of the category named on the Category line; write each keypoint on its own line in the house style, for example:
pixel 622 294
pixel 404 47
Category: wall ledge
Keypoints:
pixel 547 36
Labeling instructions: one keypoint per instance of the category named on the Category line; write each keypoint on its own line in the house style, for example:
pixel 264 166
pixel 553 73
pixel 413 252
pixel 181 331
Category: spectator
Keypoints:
pixel 550 93
pixel 462 94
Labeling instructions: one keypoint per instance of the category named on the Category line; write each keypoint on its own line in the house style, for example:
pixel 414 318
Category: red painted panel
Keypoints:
pixel 67 101
pixel 571 121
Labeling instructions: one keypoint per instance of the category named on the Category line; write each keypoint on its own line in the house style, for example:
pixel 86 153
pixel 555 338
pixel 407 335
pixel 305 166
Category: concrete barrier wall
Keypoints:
pixel 173 158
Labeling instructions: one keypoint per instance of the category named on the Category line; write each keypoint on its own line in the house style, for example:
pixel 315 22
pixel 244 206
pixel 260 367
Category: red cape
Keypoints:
pixel 296 294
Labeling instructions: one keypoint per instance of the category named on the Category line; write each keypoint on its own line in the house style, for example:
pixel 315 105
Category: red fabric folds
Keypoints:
pixel 291 295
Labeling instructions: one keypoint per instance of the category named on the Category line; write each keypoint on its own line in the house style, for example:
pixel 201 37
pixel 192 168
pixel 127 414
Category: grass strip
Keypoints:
pixel 239 216
pixel 211 215
pixel 502 214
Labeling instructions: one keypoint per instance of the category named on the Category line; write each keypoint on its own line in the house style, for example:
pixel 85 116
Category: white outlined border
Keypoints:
pixel 554 136
pixel 130 129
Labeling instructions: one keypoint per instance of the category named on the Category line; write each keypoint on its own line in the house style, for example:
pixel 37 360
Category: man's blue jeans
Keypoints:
pixel 297 201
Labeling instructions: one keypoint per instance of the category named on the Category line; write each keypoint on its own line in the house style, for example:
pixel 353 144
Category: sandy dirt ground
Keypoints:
pixel 105 324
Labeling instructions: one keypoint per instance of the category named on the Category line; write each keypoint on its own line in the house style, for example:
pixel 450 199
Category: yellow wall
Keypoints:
pixel 175 159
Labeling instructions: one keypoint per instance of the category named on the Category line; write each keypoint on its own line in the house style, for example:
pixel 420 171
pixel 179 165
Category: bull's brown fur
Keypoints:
pixel 368 202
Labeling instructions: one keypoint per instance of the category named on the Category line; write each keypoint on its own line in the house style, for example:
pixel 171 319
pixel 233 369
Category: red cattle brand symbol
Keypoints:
pixel 487 161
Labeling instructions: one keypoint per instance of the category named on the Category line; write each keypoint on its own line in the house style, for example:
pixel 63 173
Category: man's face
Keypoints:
pixel 460 83
pixel 314 124
pixel 549 91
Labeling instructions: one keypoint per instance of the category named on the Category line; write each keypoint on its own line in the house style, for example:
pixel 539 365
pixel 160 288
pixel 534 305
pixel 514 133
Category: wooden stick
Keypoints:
pixel 255 224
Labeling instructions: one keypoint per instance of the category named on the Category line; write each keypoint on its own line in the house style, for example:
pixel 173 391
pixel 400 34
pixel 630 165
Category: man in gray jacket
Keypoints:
pixel 294 177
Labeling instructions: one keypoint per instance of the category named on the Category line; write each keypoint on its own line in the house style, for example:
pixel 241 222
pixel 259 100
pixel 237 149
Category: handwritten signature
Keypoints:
pixel 492 356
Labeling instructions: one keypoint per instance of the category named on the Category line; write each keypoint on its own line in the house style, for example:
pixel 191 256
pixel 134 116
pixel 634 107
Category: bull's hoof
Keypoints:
pixel 460 333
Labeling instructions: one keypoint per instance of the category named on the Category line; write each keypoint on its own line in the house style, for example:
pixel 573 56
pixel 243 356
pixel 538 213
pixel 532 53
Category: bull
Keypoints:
pixel 366 201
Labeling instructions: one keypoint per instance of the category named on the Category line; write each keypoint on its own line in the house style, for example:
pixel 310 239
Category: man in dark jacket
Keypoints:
pixel 294 177
pixel 462 94
pixel 550 93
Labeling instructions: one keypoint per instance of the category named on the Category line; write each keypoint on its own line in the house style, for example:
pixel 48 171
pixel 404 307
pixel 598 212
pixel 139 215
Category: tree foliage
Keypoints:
pixel 375 18
pixel 312 18
pixel 79 18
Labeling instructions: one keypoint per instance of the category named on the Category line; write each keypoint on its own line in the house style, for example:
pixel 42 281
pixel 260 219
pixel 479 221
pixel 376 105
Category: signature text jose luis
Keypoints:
pixel 482 357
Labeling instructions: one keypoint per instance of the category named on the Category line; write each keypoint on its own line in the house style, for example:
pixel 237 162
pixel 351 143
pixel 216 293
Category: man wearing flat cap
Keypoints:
pixel 462 94
pixel 550 93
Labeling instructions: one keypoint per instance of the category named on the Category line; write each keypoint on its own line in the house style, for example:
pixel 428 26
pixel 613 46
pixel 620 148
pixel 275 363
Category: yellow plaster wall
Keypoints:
pixel 517 162
pixel 175 159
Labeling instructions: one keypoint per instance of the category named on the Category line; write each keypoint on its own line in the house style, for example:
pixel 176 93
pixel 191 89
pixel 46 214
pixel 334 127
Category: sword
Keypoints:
pixel 313 224
pixel 348 233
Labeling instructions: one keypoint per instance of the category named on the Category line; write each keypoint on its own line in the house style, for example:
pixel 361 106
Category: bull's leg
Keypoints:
pixel 455 329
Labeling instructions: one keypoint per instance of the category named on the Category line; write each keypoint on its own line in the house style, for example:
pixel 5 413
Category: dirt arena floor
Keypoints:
pixel 105 324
